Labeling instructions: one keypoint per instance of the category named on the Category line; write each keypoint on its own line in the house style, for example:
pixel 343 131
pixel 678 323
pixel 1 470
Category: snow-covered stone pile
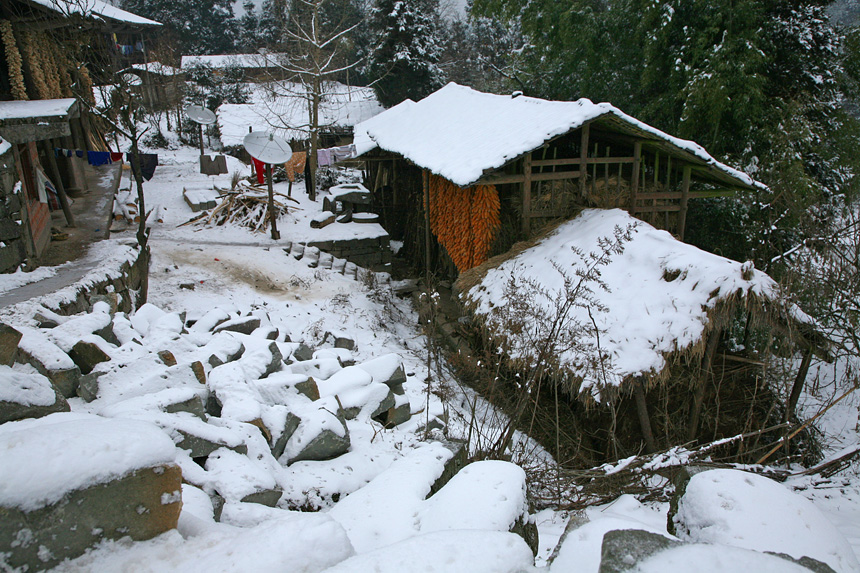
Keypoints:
pixel 226 417
pixel 720 520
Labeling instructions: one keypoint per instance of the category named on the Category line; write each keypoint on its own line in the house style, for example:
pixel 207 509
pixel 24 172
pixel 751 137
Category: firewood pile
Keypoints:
pixel 246 205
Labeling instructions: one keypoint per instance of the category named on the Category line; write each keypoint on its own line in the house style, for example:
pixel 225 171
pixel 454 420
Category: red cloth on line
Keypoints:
pixel 260 170
pixel 115 156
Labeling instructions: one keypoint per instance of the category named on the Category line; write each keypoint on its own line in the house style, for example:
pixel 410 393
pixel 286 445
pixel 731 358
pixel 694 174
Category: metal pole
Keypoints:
pixel 273 219
pixel 200 126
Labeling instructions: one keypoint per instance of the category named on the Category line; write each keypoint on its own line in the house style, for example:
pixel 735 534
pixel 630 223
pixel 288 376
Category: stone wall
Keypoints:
pixel 126 288
pixel 12 250
pixel 365 253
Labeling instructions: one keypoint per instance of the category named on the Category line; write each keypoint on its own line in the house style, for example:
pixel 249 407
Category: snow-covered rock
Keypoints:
pixel 27 395
pixel 742 509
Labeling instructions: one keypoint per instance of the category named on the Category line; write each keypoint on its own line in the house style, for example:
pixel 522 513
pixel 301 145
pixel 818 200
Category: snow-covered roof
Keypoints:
pixel 157 68
pixel 363 142
pixel 95 9
pixel 18 110
pixel 459 133
pixel 287 115
pixel 239 60
pixel 658 294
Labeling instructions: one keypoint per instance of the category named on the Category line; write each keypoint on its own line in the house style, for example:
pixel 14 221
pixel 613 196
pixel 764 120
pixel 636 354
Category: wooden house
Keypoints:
pixel 31 172
pixel 537 160
pixel 53 51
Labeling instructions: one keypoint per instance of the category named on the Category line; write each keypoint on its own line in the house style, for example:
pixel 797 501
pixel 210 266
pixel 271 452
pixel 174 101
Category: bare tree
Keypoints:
pixel 315 58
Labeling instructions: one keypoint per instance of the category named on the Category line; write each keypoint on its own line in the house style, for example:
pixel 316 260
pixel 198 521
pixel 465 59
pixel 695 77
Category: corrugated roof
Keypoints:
pixel 459 133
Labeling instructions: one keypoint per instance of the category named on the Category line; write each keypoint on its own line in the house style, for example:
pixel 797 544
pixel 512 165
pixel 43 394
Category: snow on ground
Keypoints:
pixel 382 521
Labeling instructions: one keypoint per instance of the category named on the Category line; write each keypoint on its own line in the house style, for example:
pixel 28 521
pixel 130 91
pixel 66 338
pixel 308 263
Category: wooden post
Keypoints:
pixel 583 160
pixel 798 385
pixel 273 218
pixel 699 394
pixel 527 194
pixel 685 197
pixel 48 146
pixel 200 131
pixel 634 177
pixel 425 182
pixel 644 420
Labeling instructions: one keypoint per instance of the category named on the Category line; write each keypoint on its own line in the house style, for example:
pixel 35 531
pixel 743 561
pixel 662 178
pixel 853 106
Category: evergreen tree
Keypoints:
pixel 403 60
pixel 200 26
pixel 757 82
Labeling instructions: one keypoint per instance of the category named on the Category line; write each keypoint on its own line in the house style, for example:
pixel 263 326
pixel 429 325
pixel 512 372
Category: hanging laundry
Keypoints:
pixel 213 166
pixel 96 158
pixel 324 157
pixel 148 163
pixel 79 153
pixel 115 156
pixel 343 152
pixel 295 165
pixel 260 170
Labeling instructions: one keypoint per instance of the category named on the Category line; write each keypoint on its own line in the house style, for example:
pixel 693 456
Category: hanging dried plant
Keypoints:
pixel 465 220
pixel 13 61
pixel 34 65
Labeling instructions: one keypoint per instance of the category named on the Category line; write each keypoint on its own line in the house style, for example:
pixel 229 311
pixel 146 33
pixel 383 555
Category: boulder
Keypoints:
pixel 320 436
pixel 140 505
pixel 199 371
pixel 623 549
pixel 88 386
pixel 243 325
pixel 302 352
pixel 87 355
pixel 70 481
pixel 9 338
pixel 642 551
pixel 387 369
pixel 24 395
pixel 281 437
pixel 746 510
pixel 167 357
pixel 49 360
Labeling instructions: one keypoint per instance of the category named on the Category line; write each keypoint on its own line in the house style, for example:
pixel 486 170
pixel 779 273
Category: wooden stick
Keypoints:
pixel 806 424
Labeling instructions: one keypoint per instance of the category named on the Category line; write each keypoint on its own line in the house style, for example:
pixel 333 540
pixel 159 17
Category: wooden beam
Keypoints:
pixel 699 393
pixel 798 385
pixel 634 178
pixel 660 195
pixel 712 193
pixel 644 420
pixel 656 209
pixel 502 179
pixel 527 194
pixel 577 161
pixel 48 148
pixel 685 196
pixel 583 158
pixel 557 176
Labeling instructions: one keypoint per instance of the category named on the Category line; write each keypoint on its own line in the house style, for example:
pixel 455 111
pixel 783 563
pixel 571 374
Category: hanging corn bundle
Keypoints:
pixel 13 61
pixel 33 59
pixel 465 220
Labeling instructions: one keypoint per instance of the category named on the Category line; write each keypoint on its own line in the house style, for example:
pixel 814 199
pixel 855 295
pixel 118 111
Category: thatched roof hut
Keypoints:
pixel 607 305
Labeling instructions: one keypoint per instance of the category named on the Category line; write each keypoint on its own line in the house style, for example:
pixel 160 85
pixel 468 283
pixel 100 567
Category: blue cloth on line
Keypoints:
pixel 79 153
pixel 97 158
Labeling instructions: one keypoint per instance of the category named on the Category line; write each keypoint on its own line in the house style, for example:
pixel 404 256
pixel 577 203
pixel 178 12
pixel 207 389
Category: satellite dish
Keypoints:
pixel 200 115
pixel 267 147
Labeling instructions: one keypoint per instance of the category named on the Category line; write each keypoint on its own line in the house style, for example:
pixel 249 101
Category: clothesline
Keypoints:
pixel 148 161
